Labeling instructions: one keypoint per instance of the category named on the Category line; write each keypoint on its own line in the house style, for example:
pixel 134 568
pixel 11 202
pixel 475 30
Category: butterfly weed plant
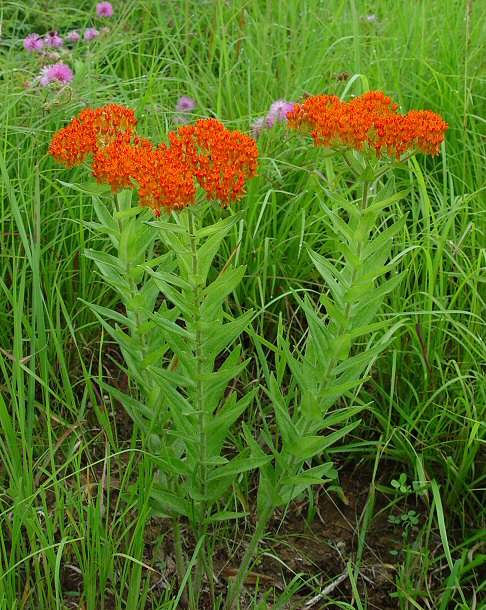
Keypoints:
pixel 179 342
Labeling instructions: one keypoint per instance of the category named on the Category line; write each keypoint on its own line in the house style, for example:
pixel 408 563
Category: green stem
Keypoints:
pixel 235 588
pixel 180 563
pixel 133 292
pixel 201 410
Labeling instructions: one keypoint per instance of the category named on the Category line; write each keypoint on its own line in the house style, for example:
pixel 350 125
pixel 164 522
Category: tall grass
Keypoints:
pixel 72 512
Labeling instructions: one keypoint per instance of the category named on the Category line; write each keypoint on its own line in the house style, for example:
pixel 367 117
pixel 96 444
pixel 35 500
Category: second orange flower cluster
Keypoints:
pixel 208 154
pixel 368 121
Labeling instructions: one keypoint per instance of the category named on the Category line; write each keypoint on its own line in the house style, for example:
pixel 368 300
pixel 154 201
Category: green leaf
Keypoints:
pixel 311 446
pixel 377 206
pixel 312 476
pixel 383 238
pixel 215 294
pixel 87 188
pixel 358 291
pixel 333 392
pixel 237 466
pixel 215 342
pixel 218 428
pixel 310 406
pixel 165 503
pixel 208 250
pixel 341 346
pixel 127 249
pixel 330 274
pixel 139 412
pixel 225 515
pixel 340 227
pixel 365 225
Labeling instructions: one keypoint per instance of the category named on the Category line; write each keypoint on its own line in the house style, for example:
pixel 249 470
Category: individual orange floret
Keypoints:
pixel 221 160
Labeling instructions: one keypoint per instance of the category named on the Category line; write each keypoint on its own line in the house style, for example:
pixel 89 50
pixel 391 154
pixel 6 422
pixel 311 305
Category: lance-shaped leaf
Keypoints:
pixel 223 335
pixel 311 446
pixel 331 276
pixel 208 250
pixel 215 294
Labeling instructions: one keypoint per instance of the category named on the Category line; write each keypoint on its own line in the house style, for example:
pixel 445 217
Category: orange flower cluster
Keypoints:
pixel 222 160
pixel 368 121
pixel 219 160
pixel 90 130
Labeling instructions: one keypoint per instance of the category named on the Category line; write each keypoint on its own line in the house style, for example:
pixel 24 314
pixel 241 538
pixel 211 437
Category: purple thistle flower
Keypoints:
pixel 185 104
pixel 90 33
pixel 33 42
pixel 278 112
pixel 73 37
pixel 104 9
pixel 59 72
pixel 52 40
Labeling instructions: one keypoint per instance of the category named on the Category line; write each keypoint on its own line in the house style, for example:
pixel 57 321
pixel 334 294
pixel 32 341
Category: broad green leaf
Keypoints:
pixel 377 206
pixel 350 257
pixel 340 227
pixel 364 227
pixel 237 466
pixel 225 515
pixel 218 428
pixel 177 298
pixel 312 476
pixel 127 249
pixel 385 237
pixel 333 392
pixel 139 412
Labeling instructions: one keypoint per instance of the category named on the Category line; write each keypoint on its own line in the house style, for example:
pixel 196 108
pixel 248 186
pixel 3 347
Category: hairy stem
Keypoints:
pixel 201 528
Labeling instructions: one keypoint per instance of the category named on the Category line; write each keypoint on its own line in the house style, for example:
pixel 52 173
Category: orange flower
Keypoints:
pixel 368 121
pixel 222 160
pixel 164 178
pixel 218 159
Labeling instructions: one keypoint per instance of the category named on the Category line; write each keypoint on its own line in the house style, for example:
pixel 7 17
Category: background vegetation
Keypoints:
pixel 76 529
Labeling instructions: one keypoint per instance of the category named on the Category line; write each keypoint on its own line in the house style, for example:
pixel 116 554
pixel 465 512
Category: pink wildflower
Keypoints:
pixel 104 9
pixel 73 37
pixel 185 104
pixel 33 42
pixel 52 40
pixel 278 112
pixel 90 33
pixel 59 72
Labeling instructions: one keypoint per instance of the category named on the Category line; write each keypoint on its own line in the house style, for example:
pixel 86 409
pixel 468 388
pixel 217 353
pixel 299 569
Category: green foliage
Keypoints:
pixel 425 392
